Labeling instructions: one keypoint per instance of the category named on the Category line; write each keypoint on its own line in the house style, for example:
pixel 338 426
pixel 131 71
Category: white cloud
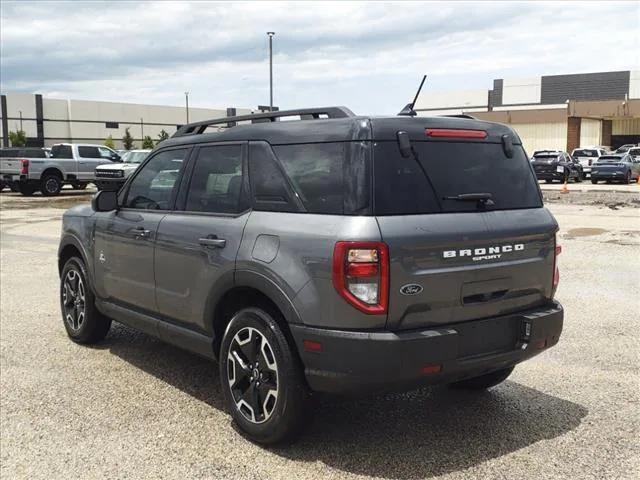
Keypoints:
pixel 368 56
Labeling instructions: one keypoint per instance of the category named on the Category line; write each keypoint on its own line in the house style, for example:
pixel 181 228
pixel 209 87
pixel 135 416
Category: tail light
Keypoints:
pixel 455 133
pixel 25 167
pixel 361 275
pixel 556 271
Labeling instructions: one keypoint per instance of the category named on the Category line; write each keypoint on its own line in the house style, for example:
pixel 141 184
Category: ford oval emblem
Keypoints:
pixel 411 289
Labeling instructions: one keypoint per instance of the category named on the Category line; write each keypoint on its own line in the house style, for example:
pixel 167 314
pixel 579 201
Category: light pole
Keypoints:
pixel 186 101
pixel 271 34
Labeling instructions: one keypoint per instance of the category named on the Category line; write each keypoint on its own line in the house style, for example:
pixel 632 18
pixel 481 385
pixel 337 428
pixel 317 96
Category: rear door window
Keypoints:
pixel 217 181
pixel 61 151
pixel 89 152
pixel 448 169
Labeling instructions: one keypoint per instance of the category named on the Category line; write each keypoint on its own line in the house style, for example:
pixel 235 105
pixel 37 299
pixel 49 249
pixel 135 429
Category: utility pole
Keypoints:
pixel 142 128
pixel 21 121
pixel 186 101
pixel 271 34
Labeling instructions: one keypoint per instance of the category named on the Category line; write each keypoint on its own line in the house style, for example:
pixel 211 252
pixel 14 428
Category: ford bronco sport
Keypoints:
pixel 332 253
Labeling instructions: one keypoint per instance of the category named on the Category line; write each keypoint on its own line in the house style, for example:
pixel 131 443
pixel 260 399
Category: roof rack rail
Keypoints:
pixel 304 114
pixel 461 115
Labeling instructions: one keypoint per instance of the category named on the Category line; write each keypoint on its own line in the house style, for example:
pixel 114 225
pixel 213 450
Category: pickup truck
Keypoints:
pixel 68 163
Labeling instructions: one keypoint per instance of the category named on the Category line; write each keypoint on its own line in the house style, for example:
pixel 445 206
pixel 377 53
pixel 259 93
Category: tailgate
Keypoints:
pixel 449 268
pixel 10 166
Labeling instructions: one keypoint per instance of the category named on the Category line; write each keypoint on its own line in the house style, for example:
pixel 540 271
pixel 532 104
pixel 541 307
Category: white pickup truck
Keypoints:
pixel 68 163
pixel 587 156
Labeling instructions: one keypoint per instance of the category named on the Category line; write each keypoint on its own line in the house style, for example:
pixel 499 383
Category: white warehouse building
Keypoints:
pixel 47 121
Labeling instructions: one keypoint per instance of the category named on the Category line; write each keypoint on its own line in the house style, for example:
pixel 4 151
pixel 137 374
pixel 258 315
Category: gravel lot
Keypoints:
pixel 134 407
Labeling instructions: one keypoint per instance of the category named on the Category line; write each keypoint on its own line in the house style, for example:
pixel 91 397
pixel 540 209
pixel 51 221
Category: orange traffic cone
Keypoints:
pixel 565 187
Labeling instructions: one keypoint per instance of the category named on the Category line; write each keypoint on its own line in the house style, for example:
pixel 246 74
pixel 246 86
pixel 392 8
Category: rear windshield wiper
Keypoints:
pixel 484 199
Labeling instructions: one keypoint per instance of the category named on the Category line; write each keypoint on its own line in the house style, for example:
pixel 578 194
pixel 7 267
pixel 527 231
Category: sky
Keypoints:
pixel 367 56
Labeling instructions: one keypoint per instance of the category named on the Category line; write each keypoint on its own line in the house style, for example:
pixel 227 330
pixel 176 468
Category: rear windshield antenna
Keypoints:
pixel 408 110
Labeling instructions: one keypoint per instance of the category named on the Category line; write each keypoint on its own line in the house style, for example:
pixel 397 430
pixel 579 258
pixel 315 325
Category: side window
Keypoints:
pixel 216 182
pixel 88 152
pixel 268 184
pixel 154 186
pixel 317 174
pixel 61 151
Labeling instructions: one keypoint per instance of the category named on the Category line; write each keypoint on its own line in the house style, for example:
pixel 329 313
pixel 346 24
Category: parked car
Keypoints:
pixel 625 148
pixel 73 164
pixel 336 253
pixel 551 165
pixel 635 153
pixel 113 175
pixel 587 156
pixel 620 168
pixel 12 160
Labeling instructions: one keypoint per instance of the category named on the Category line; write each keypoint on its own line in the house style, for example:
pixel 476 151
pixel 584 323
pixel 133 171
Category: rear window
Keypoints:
pixel 609 158
pixel 89 152
pixel 445 169
pixel 585 153
pixel 546 157
pixel 61 151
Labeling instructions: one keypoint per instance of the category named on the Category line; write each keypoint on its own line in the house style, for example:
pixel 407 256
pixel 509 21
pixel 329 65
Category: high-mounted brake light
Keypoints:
pixel 361 275
pixel 455 133
pixel 25 166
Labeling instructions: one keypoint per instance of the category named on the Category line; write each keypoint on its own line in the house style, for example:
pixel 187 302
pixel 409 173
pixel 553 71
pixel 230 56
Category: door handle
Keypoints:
pixel 141 232
pixel 212 241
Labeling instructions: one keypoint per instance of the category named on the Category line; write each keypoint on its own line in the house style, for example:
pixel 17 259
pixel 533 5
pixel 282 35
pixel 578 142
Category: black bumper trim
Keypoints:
pixel 354 362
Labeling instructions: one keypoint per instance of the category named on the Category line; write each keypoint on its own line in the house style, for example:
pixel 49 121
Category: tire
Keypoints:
pixel 14 187
pixel 548 180
pixel 26 189
pixel 82 320
pixel 273 415
pixel 579 177
pixel 50 185
pixel 484 381
pixel 594 181
pixel 627 179
pixel 79 185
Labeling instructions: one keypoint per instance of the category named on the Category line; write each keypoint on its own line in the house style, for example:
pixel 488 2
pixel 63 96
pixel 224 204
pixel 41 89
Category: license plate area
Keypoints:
pixel 486 337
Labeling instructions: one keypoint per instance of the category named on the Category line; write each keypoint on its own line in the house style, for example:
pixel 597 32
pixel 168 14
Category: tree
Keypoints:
pixel 162 136
pixel 147 142
pixel 110 143
pixel 127 140
pixel 18 138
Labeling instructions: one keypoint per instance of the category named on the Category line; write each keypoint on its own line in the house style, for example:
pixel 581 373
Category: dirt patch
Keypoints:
pixel 613 199
pixel 584 232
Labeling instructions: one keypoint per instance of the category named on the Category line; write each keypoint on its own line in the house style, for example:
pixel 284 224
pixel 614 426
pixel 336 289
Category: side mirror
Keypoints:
pixel 115 157
pixel 105 201
pixel 404 144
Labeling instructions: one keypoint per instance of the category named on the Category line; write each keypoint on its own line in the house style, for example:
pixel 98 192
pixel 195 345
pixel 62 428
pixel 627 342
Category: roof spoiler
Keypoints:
pixel 197 128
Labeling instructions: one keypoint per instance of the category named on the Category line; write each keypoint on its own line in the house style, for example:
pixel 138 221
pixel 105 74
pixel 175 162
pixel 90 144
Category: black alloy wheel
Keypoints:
pixel 73 300
pixel 252 373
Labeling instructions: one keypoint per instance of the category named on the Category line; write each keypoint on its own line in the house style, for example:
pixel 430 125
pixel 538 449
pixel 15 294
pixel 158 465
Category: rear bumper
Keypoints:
pixel 549 175
pixel 364 362
pixel 614 175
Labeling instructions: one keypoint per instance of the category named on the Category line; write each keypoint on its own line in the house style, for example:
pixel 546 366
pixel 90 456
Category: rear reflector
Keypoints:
pixel 455 133
pixel 431 369
pixel 556 271
pixel 311 346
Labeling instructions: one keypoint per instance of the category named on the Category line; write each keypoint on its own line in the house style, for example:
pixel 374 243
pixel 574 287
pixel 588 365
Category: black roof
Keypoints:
pixel 345 127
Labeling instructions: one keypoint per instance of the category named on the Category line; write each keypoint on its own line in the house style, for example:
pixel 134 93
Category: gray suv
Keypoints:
pixel 332 253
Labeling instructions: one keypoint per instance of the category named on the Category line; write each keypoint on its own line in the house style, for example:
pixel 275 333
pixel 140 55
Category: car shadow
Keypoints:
pixel 424 433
